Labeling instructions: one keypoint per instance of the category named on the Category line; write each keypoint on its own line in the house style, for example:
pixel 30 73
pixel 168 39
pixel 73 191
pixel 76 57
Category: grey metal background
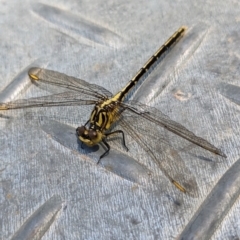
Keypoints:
pixel 50 189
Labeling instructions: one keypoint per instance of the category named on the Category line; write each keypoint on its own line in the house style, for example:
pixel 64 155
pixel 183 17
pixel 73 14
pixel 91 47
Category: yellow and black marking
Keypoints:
pixel 160 52
pixel 99 118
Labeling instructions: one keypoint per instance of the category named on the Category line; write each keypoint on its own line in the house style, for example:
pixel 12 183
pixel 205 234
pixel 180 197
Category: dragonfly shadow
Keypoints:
pixel 115 162
pixel 205 158
pixel 82 148
pixel 65 135
pixel 197 153
pixel 176 201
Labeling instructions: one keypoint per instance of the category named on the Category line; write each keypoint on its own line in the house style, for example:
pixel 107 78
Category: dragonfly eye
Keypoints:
pixel 92 134
pixel 80 130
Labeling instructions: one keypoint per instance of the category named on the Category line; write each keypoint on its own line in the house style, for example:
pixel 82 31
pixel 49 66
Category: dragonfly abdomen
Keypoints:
pixel 159 53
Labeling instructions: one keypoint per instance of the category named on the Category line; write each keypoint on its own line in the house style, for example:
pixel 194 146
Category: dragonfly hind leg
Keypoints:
pixel 123 137
pixel 108 146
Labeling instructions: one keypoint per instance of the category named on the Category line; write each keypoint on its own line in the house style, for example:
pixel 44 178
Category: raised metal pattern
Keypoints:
pixel 187 86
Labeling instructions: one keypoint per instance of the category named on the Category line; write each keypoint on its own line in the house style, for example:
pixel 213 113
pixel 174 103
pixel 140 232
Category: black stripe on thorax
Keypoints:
pixel 99 118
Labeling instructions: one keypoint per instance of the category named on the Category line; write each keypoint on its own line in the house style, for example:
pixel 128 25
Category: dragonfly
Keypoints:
pixel 142 122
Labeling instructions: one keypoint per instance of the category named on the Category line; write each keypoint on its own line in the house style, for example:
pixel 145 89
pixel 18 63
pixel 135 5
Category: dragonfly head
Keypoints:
pixel 90 137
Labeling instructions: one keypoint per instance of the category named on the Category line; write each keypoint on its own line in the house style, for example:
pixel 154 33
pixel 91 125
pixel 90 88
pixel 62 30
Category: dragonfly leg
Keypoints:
pixel 86 123
pixel 106 152
pixel 123 137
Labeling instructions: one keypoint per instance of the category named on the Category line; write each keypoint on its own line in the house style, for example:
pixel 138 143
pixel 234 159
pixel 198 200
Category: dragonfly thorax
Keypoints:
pixel 101 119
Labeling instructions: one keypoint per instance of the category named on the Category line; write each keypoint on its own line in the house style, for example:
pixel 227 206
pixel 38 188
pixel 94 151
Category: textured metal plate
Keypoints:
pixel 52 189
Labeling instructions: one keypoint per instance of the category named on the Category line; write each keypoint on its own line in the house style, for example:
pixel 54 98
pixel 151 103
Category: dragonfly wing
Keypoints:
pixel 163 154
pixel 156 116
pixel 45 78
pixel 61 99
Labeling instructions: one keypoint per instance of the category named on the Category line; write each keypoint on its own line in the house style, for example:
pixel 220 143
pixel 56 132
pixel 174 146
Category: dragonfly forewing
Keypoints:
pixel 71 91
pixel 61 99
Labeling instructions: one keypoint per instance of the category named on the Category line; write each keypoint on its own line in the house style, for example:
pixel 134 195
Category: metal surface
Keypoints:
pixel 196 84
pixel 216 206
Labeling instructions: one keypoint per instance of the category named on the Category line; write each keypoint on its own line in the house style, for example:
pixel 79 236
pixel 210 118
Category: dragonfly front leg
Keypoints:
pixel 106 152
pixel 86 123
